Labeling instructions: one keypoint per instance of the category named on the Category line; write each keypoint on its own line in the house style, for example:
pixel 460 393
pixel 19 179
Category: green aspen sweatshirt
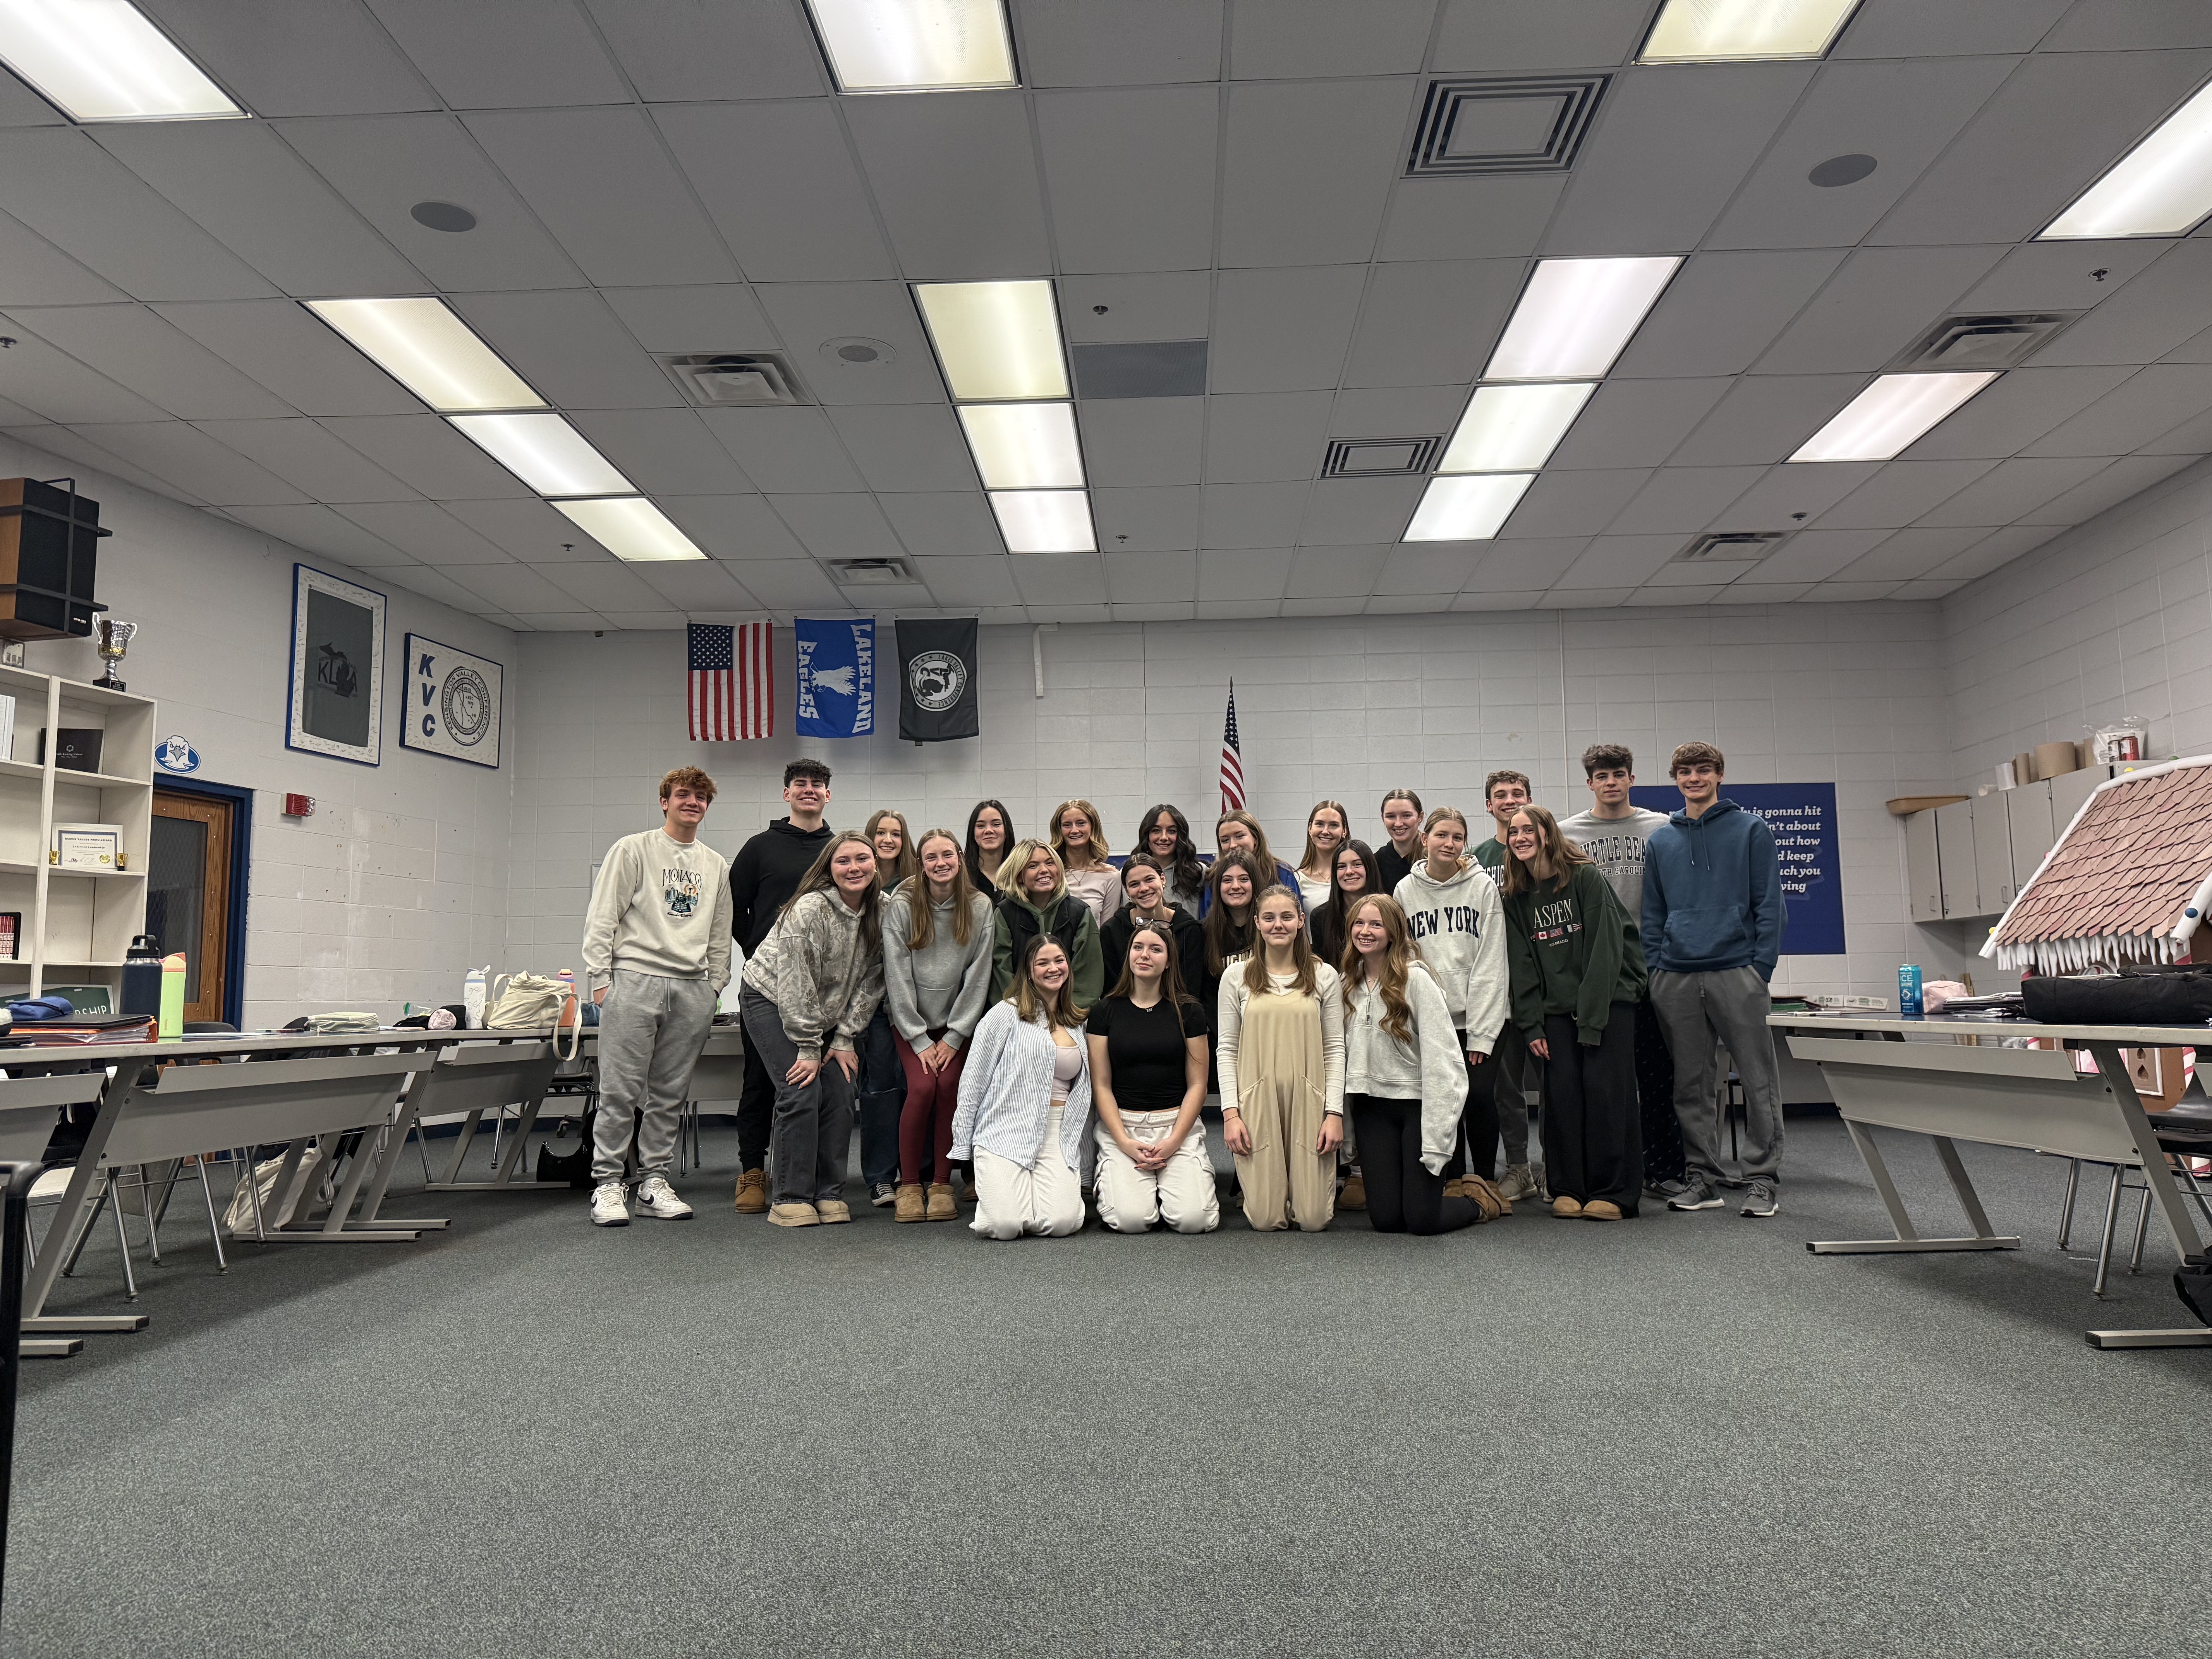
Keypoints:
pixel 1574 952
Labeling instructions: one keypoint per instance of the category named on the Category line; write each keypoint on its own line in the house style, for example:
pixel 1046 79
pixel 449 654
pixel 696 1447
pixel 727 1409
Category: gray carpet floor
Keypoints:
pixel 1681 1435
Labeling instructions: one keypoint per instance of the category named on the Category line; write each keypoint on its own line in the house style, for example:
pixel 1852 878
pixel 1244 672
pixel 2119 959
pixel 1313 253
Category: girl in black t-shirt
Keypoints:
pixel 1148 1077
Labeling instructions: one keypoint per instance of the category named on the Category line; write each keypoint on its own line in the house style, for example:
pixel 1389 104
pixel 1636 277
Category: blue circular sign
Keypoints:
pixel 175 754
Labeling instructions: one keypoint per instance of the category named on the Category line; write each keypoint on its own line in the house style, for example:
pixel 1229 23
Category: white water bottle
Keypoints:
pixel 473 997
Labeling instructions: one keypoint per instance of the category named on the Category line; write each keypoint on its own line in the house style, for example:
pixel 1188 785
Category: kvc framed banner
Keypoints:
pixel 453 703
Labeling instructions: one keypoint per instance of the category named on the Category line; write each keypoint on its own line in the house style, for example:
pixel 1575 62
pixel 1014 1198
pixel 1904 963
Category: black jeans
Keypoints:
pixel 882 1098
pixel 1478 1154
pixel 1592 1146
pixel 1654 1093
pixel 756 1109
pixel 1402 1196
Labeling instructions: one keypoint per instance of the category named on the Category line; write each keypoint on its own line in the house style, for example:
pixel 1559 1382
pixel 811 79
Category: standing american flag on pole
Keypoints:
pixel 1232 760
pixel 733 681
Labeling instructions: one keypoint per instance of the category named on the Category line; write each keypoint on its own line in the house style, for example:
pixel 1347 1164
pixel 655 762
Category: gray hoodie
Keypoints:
pixel 823 971
pixel 1459 928
pixel 943 984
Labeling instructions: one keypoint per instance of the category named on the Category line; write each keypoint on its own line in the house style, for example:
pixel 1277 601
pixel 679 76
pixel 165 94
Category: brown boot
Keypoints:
pixel 1455 1187
pixel 1598 1209
pixel 1354 1196
pixel 912 1204
pixel 1568 1208
pixel 794 1215
pixel 942 1204
pixel 1489 1203
pixel 752 1192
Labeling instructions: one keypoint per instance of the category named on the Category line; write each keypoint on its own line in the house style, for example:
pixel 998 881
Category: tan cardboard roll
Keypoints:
pixel 2053 759
pixel 2023 766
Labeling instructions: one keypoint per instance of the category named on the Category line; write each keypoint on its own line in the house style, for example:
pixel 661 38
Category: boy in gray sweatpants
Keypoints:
pixel 657 955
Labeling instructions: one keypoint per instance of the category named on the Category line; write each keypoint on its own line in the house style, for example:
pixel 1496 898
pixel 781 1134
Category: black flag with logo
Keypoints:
pixel 937 681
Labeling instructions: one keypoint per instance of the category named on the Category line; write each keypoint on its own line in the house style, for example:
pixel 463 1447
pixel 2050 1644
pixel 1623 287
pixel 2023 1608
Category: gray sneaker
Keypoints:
pixel 1761 1200
pixel 1664 1190
pixel 1518 1183
pixel 1695 1196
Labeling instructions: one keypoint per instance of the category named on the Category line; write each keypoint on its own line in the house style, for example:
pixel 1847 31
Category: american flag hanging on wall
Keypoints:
pixel 733 681
pixel 1232 759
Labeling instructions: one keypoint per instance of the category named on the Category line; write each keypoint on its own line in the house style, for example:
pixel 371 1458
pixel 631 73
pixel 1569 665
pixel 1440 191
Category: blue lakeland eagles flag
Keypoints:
pixel 836 677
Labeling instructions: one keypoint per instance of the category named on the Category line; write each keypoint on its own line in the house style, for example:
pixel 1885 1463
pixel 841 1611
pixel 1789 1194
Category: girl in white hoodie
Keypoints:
pixel 1458 925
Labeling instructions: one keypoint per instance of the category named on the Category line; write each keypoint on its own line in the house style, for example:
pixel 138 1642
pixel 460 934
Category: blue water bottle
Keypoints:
pixel 1908 990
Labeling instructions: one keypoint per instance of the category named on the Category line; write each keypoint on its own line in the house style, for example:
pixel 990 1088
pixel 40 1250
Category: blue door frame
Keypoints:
pixel 241 857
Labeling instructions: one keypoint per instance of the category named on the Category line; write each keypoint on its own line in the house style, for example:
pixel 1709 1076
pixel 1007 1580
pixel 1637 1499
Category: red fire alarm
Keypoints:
pixel 298 807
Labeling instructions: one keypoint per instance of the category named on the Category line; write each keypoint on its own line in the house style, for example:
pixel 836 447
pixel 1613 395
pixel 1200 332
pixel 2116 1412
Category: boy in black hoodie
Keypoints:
pixel 763 878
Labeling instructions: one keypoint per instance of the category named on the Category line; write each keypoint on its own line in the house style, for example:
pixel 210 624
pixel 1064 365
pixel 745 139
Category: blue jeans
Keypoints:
pixel 883 1098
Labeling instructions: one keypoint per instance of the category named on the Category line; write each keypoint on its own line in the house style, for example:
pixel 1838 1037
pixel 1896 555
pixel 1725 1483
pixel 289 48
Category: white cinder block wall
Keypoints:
pixel 400 876
pixel 1330 707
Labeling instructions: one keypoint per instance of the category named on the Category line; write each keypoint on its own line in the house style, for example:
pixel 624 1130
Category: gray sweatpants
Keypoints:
pixel 1731 1005
pixel 651 1031
pixel 813 1141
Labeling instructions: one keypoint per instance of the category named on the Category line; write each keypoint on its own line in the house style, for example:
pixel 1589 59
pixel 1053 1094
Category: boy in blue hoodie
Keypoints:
pixel 1712 932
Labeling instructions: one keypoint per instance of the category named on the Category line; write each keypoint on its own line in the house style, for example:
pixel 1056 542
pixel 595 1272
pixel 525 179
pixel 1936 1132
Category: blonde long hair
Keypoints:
pixel 1098 849
pixel 1304 965
pixel 817 879
pixel 1560 852
pixel 921 924
pixel 1439 815
pixel 1399 960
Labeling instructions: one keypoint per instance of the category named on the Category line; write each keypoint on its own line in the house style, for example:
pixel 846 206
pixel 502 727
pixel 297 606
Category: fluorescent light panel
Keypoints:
pixel 915 45
pixel 2162 187
pixel 545 452
pixel 100 60
pixel 1513 429
pixel 1890 415
pixel 1715 30
pixel 1467 509
pixel 631 528
pixel 997 342
pixel 1575 316
pixel 1024 446
pixel 422 344
pixel 1045 521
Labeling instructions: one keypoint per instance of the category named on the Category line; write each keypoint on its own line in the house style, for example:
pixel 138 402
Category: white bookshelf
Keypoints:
pixel 77 924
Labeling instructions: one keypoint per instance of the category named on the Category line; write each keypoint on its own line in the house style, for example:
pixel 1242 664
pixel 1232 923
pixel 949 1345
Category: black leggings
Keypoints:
pixel 1402 1196
pixel 1478 1153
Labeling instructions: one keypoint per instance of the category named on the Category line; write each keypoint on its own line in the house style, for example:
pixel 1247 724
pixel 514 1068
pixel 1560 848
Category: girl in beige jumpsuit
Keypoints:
pixel 1281 1064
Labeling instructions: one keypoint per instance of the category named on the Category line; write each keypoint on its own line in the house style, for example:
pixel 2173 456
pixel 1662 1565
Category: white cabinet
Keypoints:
pixel 2028 807
pixel 1993 880
pixel 1924 877
pixel 1954 857
pixel 2070 792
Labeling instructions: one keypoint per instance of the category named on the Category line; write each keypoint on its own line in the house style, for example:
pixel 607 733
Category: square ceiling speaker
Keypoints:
pixel 1504 123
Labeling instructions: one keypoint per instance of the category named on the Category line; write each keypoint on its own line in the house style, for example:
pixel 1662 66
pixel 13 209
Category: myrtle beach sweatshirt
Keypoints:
pixel 823 971
pixel 1575 953
pixel 1430 1068
pixel 944 983
pixel 766 873
pixel 1616 846
pixel 1712 894
pixel 660 906
pixel 1459 928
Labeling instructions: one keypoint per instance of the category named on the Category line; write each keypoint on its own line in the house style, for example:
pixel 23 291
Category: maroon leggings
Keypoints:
pixel 926 1121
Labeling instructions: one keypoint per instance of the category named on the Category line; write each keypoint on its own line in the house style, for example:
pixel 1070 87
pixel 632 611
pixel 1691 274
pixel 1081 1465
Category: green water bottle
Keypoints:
pixel 172 996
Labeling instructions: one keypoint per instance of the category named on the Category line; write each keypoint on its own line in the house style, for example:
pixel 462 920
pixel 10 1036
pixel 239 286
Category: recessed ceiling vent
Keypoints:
pixel 870 572
pixel 1368 458
pixel 1984 340
pixel 1143 369
pixel 736 380
pixel 1731 547
pixel 1504 123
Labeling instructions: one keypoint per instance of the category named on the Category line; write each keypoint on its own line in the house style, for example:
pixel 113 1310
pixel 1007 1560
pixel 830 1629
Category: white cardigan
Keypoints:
pixel 1329 984
pixel 1006 1092
pixel 1431 1069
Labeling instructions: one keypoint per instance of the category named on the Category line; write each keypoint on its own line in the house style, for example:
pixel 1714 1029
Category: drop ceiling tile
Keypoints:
pixel 1852 592
pixel 504 54
pixel 737 528
pixel 1134 307
pixel 385 164
pixel 182 453
pixel 1877 304
pixel 1131 176
pixel 1073 43
pixel 1901 493
pixel 1678 500
pixel 783 186
pixel 514 587
pixel 1283 329
pixel 526 528
pixel 991 222
pixel 1143 441
pixel 565 622
pixel 2011 489
pixel 1347 512
pixel 785 449
pixel 664 451
pixel 1527 567
pixel 307 457
pixel 1815 556
pixel 807 315
pixel 2150 403
pixel 1926 589
pixel 54 384
pixel 1477 217
pixel 319 530
pixel 1149 520
pixel 838 527
pixel 2015 409
pixel 428 532
pixel 1422 324
pixel 62 442
pixel 570 346
pixel 436 584
pixel 603 584
pixel 1637 422
pixel 679 50
pixel 34 272
pixel 1722 310
pixel 2061 275
pixel 1309 169
pixel 2000 549
pixel 296 56
pixel 1674 596
pixel 1495 36
pixel 714 317
pixel 786 584
pixel 130 344
pixel 1901 114
pixel 425 453
pixel 1574 503
pixel 1910 28
pixel 1780 592
pixel 285 348
pixel 1252 515
pixel 1436 570
pixel 1179 611
pixel 1264 437
pixel 1791 495
pixel 1151 578
pixel 972 579
pixel 1056 579
pixel 1416 412
pixel 906 447
pixel 1479 599
pixel 949 524
pixel 1766 417
pixel 695 585
pixel 1910 553
pixel 2159 310
pixel 600 181
pixel 1299 40
pixel 85 202
pixel 1324 607
pixel 2110 485
pixel 2130 25
pixel 1255 574
pixel 2060 121
pixel 1669 146
pixel 1335 573
pixel 22 107
pixel 1614 561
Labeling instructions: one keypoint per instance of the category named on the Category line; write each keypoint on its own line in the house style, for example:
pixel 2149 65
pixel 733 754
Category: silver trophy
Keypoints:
pixel 115 639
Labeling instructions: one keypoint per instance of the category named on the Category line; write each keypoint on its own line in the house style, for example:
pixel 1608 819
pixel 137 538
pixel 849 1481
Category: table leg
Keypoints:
pixel 372 1203
pixel 2156 1176
pixel 461 1142
pixel 1969 1200
pixel 2192 1336
pixel 1908 1240
pixel 39 1282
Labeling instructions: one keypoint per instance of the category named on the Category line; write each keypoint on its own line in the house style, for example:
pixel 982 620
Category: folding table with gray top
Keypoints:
pixel 2032 1098
pixel 475 1076
pixel 30 1107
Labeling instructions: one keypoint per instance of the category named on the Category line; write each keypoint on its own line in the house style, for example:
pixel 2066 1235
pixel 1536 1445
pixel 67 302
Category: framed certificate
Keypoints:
pixel 94 847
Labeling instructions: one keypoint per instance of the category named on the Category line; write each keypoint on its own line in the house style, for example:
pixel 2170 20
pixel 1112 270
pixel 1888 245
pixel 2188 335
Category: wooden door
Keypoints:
pixel 188 893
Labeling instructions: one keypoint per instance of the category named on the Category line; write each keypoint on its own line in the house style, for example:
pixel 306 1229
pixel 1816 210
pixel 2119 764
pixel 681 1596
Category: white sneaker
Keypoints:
pixel 1518 1183
pixel 656 1197
pixel 610 1205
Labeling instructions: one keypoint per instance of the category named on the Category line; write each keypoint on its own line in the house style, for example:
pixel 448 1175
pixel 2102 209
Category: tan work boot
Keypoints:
pixel 913 1203
pixel 794 1215
pixel 942 1204
pixel 752 1192
pixel 1354 1196
pixel 1568 1208
pixel 833 1210
pixel 1598 1209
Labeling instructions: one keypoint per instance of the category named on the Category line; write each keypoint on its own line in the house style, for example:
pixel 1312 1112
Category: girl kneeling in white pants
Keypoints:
pixel 1025 1103
pixel 1147 1043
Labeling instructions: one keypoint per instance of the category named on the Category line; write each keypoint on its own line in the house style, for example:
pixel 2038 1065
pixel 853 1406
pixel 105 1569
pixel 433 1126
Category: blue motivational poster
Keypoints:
pixel 836 678
pixel 1802 817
